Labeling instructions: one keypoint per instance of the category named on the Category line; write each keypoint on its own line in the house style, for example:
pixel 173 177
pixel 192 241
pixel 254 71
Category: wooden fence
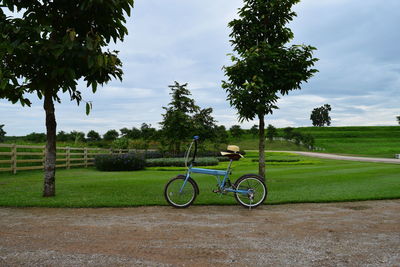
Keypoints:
pixel 21 157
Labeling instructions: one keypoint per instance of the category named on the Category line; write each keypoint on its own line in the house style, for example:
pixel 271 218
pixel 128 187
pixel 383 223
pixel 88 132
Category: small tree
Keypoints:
pixel 111 135
pixel 254 130
pixel 177 124
pixel 93 136
pixel 64 137
pixel 264 67
pixel 2 133
pixel 271 132
pixel 398 119
pixel 236 131
pixel 36 137
pixel 320 116
pixel 204 124
pixel 221 135
pixel 288 133
pixel 133 133
pixel 52 46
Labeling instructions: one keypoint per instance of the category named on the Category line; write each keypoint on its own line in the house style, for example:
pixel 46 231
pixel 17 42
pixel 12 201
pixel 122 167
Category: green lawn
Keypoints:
pixel 370 141
pixel 302 179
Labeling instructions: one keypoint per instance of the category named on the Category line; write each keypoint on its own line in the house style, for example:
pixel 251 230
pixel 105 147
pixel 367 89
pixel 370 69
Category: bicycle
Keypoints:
pixel 249 190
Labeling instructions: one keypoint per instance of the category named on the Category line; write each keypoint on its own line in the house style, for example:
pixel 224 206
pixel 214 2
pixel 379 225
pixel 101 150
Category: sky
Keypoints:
pixel 188 42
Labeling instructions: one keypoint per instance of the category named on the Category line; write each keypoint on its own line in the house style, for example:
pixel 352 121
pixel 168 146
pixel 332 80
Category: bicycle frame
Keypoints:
pixel 216 173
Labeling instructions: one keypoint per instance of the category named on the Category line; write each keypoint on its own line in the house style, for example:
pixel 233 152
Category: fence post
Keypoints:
pixel 14 158
pixel 85 156
pixel 67 155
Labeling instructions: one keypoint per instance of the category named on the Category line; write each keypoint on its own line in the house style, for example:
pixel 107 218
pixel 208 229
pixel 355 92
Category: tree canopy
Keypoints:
pixel 52 46
pixel 320 116
pixel 2 133
pixel 264 67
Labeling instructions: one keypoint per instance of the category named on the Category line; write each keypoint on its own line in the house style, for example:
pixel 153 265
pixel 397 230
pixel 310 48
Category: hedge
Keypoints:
pixel 119 162
pixel 180 162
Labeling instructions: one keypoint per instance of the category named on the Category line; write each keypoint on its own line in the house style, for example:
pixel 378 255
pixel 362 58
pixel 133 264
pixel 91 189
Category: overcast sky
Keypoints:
pixel 187 41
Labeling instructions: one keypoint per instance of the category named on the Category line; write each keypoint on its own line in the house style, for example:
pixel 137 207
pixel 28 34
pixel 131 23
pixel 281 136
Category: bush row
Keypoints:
pixel 119 162
pixel 180 162
pixel 132 161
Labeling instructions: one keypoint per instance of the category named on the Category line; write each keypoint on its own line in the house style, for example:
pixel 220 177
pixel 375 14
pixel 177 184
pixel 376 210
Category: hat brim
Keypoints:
pixel 230 153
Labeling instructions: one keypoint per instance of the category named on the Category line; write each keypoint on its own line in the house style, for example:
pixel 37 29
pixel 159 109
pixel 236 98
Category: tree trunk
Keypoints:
pixel 261 147
pixel 49 189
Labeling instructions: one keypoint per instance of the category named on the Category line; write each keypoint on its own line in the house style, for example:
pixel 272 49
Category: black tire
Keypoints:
pixel 257 191
pixel 180 199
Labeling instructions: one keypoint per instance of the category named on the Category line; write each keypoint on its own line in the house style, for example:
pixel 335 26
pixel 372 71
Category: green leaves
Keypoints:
pixel 88 107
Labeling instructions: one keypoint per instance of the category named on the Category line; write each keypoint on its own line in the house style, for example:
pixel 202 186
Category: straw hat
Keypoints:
pixel 231 150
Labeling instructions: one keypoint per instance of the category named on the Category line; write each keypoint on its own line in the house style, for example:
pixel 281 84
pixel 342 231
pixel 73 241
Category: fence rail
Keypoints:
pixel 22 157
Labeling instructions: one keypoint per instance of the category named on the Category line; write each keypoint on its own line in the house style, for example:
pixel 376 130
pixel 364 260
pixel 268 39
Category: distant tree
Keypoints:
pixel 254 130
pixel 236 131
pixel 271 132
pixel 2 133
pixel 77 136
pixel 111 135
pixel 288 133
pixel 36 137
pixel 53 45
pixel 133 133
pixel 308 140
pixel 64 137
pixel 264 67
pixel 93 136
pixel 148 133
pixel 320 116
pixel 398 119
pixel 221 135
pixel 177 124
pixel 204 124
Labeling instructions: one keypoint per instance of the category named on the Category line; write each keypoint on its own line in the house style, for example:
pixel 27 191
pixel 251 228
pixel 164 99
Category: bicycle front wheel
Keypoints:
pixel 253 191
pixel 176 195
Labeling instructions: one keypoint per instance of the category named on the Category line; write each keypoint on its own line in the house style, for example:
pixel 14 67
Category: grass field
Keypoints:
pixel 373 141
pixel 302 179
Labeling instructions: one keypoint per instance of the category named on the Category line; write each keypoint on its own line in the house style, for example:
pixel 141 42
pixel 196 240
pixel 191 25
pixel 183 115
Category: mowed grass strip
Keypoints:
pixel 317 181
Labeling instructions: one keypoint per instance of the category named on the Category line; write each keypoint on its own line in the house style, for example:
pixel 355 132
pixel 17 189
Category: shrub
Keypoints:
pixel 180 162
pixel 119 162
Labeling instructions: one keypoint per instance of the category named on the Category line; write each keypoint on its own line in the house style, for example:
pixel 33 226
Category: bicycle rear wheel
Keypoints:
pixel 256 191
pixel 178 197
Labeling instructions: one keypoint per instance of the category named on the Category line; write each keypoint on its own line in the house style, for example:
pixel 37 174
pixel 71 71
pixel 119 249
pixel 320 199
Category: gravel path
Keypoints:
pixel 336 234
pixel 341 157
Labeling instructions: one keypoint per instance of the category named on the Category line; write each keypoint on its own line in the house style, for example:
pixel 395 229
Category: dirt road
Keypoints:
pixel 337 234
pixel 341 157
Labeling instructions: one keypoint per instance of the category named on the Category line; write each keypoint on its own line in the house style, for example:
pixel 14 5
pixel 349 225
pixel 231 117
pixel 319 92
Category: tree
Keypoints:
pixel 271 132
pixel 133 133
pixel 221 135
pixel 254 130
pixel 263 67
pixel 52 46
pixel 398 119
pixel 2 133
pixel 93 136
pixel 36 137
pixel 64 137
pixel 236 131
pixel 288 133
pixel 204 124
pixel 320 116
pixel 111 135
pixel 177 124
pixel 77 137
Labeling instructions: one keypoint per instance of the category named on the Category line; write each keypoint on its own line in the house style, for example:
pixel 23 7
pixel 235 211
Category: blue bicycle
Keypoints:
pixel 249 190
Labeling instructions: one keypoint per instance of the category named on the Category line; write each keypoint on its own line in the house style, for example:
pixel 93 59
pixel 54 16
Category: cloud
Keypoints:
pixel 187 41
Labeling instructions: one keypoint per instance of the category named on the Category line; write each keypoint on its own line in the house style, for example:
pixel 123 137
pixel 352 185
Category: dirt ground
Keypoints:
pixel 336 234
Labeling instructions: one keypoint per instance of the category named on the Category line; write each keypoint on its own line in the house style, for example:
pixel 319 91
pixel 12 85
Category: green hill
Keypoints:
pixel 372 141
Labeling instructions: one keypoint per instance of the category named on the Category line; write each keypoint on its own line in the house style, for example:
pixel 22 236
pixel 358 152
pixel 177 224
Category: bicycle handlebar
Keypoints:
pixel 195 138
